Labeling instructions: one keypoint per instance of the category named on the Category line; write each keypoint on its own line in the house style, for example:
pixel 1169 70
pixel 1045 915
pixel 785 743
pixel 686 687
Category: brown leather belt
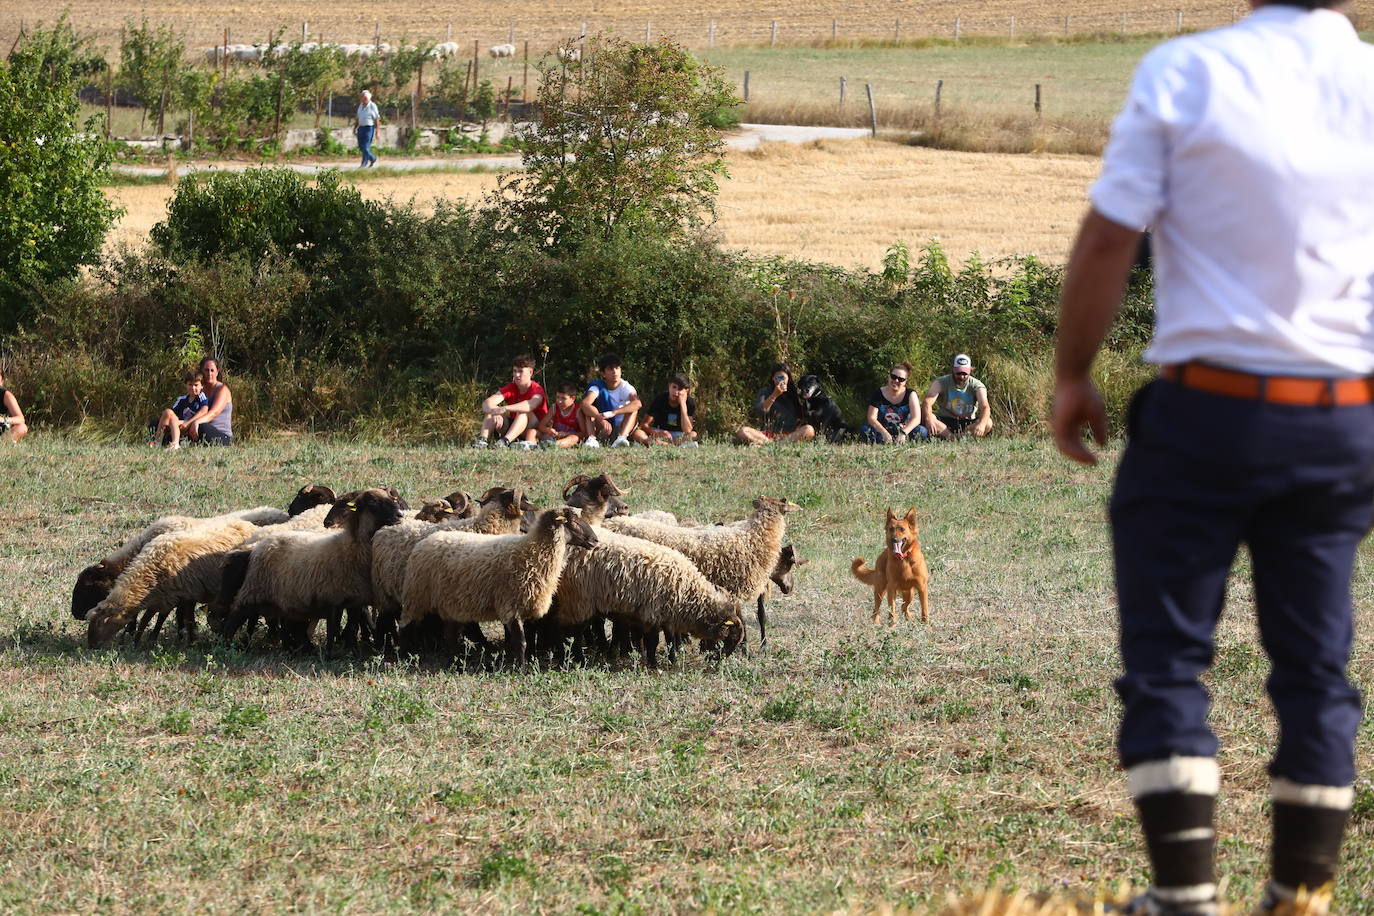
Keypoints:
pixel 1274 389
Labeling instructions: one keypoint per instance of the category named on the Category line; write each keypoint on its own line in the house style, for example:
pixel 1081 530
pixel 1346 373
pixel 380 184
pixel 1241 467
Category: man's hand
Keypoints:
pixel 937 428
pixel 982 426
pixel 1077 402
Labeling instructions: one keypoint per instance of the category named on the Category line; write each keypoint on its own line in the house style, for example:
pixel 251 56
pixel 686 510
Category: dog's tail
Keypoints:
pixel 863 573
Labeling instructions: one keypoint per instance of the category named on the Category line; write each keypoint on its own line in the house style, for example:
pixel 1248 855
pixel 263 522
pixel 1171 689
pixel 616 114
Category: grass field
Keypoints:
pixel 849 766
pixel 842 202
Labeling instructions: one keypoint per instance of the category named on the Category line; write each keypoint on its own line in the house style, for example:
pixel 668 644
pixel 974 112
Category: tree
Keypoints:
pixel 625 140
pixel 149 58
pixel 55 217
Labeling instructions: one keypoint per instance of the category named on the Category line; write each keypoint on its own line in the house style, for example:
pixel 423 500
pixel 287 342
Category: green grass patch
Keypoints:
pixel 847 767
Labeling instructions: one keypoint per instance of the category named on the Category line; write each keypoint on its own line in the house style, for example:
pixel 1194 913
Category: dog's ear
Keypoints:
pixel 911 516
pixel 890 513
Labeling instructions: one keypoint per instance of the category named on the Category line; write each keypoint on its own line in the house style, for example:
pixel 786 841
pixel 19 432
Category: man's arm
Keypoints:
pixel 1093 285
pixel 984 421
pixel 529 405
pixel 684 415
pixel 492 405
pixel 928 409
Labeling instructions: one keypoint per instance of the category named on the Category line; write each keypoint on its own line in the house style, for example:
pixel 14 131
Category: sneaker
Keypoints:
pixel 591 442
pixel 500 442
pixel 548 444
pixel 691 443
pixel 1148 905
pixel 620 442
pixel 174 445
pixel 478 443
pixel 524 444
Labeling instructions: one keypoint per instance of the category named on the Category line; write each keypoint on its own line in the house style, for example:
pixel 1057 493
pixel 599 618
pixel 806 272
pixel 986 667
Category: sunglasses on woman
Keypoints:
pixel 897 378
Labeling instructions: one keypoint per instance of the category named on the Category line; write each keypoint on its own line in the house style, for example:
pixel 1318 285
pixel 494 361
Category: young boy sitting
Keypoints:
pixel 182 418
pixel 671 416
pixel 563 426
pixel 610 405
pixel 515 410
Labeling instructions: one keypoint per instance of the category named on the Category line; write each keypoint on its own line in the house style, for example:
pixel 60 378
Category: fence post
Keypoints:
pixel 957 24
pixel 872 111
pixel 377 36
pixel 1012 33
pixel 305 31
pixel 773 38
pixel 939 87
pixel 648 32
pixel 419 91
pixel 329 112
pixel 525 79
pixel 842 88
pixel 1123 23
pixel 1178 20
pixel 449 37
pixel 746 85
pixel 1066 26
pixel 226 52
pixel 711 34
pixel 413 103
pixel 510 86
pixel 897 31
pixel 474 66
pixel 276 125
pixel 1037 100
pixel 834 30
pixel 510 34
pixel 109 99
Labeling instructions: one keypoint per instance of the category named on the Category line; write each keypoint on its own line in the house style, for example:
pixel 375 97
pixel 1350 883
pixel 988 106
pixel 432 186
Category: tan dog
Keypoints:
pixel 901 568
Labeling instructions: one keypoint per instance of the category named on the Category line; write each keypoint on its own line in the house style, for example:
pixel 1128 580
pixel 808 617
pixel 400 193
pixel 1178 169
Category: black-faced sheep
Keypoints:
pixel 297 577
pixel 511 578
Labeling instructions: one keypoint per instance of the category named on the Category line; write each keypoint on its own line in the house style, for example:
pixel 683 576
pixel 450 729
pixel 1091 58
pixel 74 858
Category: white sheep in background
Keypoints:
pixel 502 50
pixel 296 577
pixel 445 50
pixel 569 55
pixel 470 578
pixel 738 558
pixel 245 53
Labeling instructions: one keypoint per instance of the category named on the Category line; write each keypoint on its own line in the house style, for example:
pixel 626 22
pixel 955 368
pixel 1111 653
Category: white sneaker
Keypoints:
pixel 690 443
pixel 621 442
pixel 174 445
pixel 525 444
pixel 478 443
pixel 591 442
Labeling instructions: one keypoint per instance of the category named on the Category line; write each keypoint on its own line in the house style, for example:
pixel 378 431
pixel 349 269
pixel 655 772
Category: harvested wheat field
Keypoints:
pixel 843 202
pixel 489 21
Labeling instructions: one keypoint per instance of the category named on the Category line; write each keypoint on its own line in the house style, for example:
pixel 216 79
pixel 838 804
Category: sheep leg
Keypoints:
pixel 186 621
pixel 333 622
pixel 596 631
pixel 515 645
pixel 763 625
pixel 236 619
pixel 649 645
pixel 674 643
pixel 143 624
pixel 387 630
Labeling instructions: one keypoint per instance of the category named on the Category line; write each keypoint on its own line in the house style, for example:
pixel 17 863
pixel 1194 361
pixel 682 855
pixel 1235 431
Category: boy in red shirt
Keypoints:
pixel 563 426
pixel 515 410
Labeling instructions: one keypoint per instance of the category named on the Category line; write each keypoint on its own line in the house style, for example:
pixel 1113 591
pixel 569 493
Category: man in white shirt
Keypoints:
pixel 367 119
pixel 1249 150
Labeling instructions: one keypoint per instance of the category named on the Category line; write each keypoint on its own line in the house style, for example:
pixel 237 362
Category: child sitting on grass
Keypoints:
pixel 182 418
pixel 671 416
pixel 610 406
pixel 563 426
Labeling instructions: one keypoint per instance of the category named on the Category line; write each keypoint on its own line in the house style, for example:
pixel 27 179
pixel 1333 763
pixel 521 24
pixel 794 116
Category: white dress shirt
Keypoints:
pixel 1249 151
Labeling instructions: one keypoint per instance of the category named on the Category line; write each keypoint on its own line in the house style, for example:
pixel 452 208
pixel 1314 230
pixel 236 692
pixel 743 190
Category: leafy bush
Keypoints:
pixel 55 216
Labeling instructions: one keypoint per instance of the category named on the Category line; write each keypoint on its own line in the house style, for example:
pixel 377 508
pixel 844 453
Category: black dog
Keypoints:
pixel 822 411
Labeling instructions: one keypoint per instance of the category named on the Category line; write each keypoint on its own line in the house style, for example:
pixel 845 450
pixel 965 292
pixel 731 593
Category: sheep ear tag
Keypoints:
pixel 560 517
pixel 352 506
pixel 728 623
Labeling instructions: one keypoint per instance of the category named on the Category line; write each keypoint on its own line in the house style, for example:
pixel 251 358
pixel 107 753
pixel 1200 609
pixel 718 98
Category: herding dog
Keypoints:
pixel 900 568
pixel 822 412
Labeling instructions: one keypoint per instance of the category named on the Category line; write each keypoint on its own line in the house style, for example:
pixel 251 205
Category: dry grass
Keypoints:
pixel 490 21
pixel 839 202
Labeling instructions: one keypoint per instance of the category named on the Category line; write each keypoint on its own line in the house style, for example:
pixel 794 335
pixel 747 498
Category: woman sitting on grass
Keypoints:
pixel 216 422
pixel 780 410
pixel 12 425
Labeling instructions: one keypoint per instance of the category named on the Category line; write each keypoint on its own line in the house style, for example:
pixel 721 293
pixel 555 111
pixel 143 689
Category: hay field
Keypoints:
pixel 833 201
pixel 491 21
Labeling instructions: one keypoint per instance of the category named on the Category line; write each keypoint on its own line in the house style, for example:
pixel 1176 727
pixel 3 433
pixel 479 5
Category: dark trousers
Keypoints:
pixel 1201 475
pixel 365 134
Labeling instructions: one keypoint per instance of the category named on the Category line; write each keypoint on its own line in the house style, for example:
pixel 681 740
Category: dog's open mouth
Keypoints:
pixel 899 548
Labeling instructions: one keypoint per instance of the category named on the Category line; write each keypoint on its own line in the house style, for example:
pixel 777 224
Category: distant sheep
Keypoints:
pixel 445 50
pixel 469 578
pixel 502 50
pixel 569 55
pixel 300 576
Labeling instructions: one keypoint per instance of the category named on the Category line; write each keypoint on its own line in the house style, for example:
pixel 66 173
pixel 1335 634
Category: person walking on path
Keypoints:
pixel 1249 151
pixel 367 118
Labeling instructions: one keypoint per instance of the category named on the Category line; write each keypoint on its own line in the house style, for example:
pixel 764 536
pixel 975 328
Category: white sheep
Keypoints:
pixel 296 577
pixel 174 570
pixel 502 50
pixel 444 50
pixel 738 557
pixel 569 55
pixel 510 578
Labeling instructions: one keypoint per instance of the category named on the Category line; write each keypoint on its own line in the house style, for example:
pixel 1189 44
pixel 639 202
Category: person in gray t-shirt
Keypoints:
pixel 367 119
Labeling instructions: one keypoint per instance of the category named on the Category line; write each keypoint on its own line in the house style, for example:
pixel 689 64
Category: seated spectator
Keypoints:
pixel 177 420
pixel 515 410
pixel 12 425
pixel 214 425
pixel 563 426
pixel 893 412
pixel 671 417
pixel 957 403
pixel 780 411
pixel 611 405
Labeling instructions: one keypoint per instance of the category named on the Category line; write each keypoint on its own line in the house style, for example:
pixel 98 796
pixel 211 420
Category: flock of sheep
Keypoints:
pixel 384 576
pixel 262 51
